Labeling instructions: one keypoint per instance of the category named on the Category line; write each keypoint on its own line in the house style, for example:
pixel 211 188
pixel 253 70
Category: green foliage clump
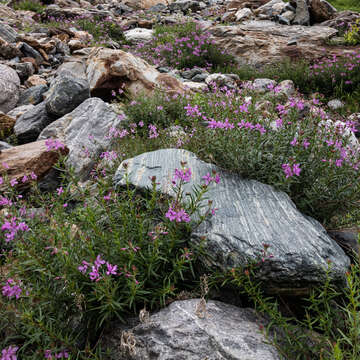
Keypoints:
pixel 182 46
pixel 91 258
pixel 352 36
pixel 260 143
pixel 160 109
pixel 30 5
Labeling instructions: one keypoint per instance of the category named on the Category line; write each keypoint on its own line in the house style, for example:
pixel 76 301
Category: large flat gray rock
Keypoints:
pixel 260 42
pixel 178 333
pixel 250 215
pixel 84 131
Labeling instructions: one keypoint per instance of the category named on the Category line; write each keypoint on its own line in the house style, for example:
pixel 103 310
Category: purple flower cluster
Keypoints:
pixel 52 355
pixel 291 170
pixel 183 175
pixel 94 274
pixel 10 289
pixel 208 178
pixel 178 215
pixel 11 228
pixel 52 144
pixel 9 353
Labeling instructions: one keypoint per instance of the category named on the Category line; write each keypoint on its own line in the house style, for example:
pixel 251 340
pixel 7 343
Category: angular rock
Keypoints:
pixel 265 42
pixel 263 85
pixel 157 8
pixel 24 70
pixel 282 20
pixel 288 15
pixel 85 132
pixel 65 94
pixel 287 87
pixel 75 68
pixel 29 126
pixel 302 15
pixel 189 74
pixel 321 10
pixel 35 80
pixel 109 69
pixel 145 4
pixel 71 12
pixel 228 80
pixel 76 45
pixel 185 6
pixel 266 9
pixel 249 215
pixel 25 159
pixel 8 51
pixel 30 52
pixel 138 35
pixel 240 4
pixel 20 110
pixel 9 88
pixel 278 8
pixel 8 33
pixel 178 333
pixel 33 95
pixel 200 77
pixel 195 86
pixel 243 14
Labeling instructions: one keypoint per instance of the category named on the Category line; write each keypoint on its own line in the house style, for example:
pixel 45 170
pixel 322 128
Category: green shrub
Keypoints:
pixel 352 36
pixel 30 5
pixel 182 46
pixel 90 259
pixel 287 145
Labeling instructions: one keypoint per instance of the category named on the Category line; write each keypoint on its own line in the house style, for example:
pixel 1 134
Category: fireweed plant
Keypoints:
pixel 332 75
pixel 291 144
pixel 182 46
pixel 77 258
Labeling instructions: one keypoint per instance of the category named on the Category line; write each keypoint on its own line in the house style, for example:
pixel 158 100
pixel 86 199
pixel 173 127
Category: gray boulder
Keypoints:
pixel 9 88
pixel 250 214
pixel 178 333
pixel 321 10
pixel 20 110
pixel 302 16
pixel 185 6
pixel 24 70
pixel 8 33
pixel 29 51
pixel 84 131
pixel 65 94
pixel 33 95
pixel 263 85
pixel 29 125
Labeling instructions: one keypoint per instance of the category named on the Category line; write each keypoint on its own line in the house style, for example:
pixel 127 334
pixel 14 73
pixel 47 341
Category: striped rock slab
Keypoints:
pixel 250 214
